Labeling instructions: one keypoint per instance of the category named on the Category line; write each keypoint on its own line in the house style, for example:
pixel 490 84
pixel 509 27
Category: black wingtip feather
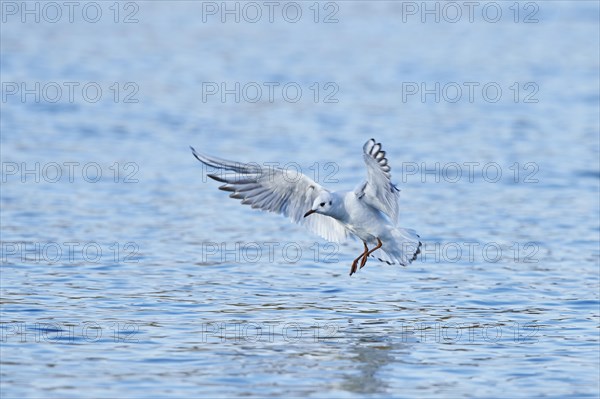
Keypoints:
pixel 217 178
pixel 194 153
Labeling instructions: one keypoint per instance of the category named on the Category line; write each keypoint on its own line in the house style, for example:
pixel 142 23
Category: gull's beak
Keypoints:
pixel 309 212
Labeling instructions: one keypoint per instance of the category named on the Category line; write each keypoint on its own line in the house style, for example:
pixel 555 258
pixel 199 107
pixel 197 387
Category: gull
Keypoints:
pixel 369 212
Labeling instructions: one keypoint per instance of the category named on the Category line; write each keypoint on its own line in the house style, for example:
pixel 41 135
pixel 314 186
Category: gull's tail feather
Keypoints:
pixel 402 249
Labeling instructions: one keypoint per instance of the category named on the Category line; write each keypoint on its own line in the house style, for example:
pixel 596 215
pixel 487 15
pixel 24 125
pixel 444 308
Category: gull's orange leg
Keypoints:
pixel 364 262
pixel 355 263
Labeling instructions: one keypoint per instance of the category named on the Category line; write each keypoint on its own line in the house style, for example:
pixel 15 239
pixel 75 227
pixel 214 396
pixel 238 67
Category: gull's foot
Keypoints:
pixel 362 263
pixel 365 257
pixel 366 254
pixel 354 266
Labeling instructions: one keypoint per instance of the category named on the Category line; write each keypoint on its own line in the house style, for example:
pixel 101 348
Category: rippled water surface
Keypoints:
pixel 126 273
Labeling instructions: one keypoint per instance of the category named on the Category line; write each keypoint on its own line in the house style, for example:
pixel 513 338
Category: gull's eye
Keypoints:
pixel 329 202
pixel 322 204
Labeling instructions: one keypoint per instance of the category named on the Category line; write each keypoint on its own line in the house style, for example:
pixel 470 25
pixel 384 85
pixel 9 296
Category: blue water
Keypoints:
pixel 126 273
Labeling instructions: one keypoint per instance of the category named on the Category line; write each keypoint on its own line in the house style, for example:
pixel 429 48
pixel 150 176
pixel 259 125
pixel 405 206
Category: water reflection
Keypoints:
pixel 366 356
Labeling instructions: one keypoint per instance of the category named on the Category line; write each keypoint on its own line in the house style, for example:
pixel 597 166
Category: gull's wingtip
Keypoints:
pixel 195 153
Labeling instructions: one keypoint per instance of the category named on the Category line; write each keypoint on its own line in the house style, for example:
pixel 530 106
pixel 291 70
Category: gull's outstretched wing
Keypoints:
pixel 275 190
pixel 378 191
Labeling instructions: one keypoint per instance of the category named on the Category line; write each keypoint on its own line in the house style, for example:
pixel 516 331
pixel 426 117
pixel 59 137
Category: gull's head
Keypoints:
pixel 322 204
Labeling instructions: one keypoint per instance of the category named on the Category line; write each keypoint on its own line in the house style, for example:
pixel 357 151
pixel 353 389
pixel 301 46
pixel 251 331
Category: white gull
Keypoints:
pixel 369 212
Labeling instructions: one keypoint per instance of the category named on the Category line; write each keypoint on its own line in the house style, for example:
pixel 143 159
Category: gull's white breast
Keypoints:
pixel 364 221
